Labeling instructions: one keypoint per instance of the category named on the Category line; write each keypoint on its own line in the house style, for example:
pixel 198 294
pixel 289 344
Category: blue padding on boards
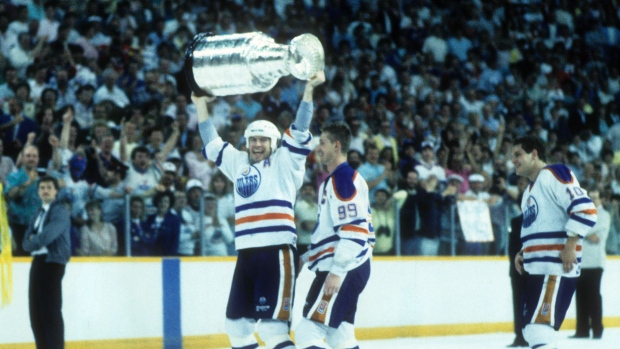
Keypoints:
pixel 171 279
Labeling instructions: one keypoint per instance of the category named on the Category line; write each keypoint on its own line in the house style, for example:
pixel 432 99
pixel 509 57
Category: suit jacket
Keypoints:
pixel 25 127
pixel 55 234
pixel 514 243
pixel 165 239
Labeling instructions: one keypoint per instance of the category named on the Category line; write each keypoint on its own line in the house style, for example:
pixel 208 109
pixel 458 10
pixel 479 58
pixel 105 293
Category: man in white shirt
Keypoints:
pixel 48 26
pixel 109 90
pixel 428 166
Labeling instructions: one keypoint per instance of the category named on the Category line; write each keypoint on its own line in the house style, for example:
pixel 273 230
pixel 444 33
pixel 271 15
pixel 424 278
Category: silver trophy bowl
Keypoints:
pixel 234 64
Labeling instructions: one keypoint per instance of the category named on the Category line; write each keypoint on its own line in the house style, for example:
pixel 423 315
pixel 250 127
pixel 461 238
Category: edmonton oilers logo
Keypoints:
pixel 249 181
pixel 531 212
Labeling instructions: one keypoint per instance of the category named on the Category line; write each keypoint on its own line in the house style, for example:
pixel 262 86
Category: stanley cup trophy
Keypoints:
pixel 247 63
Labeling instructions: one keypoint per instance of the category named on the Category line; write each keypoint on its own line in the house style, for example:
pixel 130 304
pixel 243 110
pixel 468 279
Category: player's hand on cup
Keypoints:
pixel 203 100
pixel 317 79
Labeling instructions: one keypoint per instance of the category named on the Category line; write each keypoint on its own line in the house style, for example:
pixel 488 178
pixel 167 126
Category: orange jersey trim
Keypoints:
pixel 548 248
pixel 355 229
pixel 251 219
pixel 590 211
pixel 331 249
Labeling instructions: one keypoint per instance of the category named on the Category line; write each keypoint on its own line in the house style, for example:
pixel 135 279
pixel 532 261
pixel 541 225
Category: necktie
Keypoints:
pixel 39 220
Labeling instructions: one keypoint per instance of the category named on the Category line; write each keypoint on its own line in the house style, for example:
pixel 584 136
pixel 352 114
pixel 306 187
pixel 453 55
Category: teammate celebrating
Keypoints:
pixel 341 248
pixel 557 214
pixel 266 180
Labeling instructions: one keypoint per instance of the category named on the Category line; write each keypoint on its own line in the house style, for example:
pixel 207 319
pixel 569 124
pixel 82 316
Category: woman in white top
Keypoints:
pixel 197 165
pixel 97 238
pixel 217 232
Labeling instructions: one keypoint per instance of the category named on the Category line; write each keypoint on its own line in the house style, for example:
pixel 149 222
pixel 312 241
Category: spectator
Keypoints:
pixel 217 233
pixel 109 91
pixel 16 127
pixel 197 165
pixel 428 166
pixel 162 229
pixel 189 234
pixel 477 192
pixel 306 211
pixel 84 107
pixel 220 187
pixel 588 293
pixel 113 195
pixel 354 159
pixel 140 240
pixel 7 166
pixel 383 221
pixel 250 107
pixel 18 25
pixel 385 139
pixel 127 141
pixel 377 176
pixel 7 89
pixel 169 180
pixel 421 208
pixel 143 176
pixel 435 46
pixel 48 26
pixel 194 191
pixel 97 238
pixel 76 189
pixel 23 54
pixel 22 195
pixel 66 93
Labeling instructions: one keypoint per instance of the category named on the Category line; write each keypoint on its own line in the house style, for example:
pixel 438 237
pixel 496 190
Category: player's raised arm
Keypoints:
pixel 313 82
pixel 201 106
pixel 205 124
pixel 304 113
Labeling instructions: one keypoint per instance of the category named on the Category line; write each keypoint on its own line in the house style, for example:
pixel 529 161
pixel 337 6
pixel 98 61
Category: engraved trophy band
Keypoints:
pixel 234 64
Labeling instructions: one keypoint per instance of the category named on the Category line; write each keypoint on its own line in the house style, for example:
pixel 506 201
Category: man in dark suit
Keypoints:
pixel 48 241
pixel 15 127
pixel 517 281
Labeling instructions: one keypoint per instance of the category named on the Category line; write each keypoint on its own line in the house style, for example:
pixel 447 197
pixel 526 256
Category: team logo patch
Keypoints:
pixel 531 212
pixel 286 305
pixel 322 307
pixel 262 304
pixel 248 182
pixel 545 309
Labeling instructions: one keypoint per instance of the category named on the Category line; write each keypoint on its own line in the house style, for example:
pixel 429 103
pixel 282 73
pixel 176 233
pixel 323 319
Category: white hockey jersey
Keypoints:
pixel 552 205
pixel 344 237
pixel 264 192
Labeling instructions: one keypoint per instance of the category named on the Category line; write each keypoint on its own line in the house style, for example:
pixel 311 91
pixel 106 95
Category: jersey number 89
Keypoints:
pixel 350 208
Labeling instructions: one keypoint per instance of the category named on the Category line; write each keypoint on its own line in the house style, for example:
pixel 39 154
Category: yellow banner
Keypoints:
pixel 6 255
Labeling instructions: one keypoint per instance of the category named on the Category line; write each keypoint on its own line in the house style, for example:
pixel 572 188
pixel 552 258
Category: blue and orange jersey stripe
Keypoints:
pixel 265 216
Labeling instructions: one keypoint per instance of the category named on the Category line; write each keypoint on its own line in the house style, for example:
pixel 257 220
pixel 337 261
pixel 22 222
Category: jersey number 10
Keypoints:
pixel 577 190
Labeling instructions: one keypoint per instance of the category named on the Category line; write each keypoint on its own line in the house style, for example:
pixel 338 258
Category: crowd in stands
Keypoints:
pixel 94 93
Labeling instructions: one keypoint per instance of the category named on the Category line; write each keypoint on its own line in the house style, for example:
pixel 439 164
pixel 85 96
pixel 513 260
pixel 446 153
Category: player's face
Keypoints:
pixel 523 161
pixel 260 149
pixel 326 150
